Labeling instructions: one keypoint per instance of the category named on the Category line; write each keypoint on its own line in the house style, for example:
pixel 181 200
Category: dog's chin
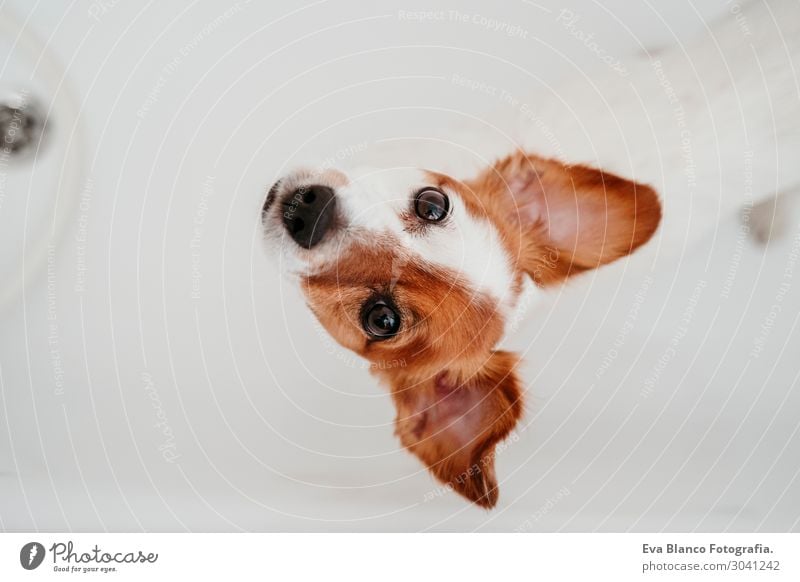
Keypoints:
pixel 291 260
pixel 272 231
pixel 283 253
pixel 280 249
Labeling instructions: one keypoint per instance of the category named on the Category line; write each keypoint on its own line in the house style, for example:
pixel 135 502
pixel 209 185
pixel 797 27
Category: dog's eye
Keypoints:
pixel 431 205
pixel 381 321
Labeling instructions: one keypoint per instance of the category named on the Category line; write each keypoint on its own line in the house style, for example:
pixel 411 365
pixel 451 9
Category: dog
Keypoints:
pixel 427 266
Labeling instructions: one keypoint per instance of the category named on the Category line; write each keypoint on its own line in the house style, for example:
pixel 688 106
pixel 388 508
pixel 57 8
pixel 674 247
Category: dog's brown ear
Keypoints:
pixel 573 217
pixel 453 419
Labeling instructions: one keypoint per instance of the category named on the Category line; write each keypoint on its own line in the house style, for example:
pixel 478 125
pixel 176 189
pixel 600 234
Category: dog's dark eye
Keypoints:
pixel 431 205
pixel 381 321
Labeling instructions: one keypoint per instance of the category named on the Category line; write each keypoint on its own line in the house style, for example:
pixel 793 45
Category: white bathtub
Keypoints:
pixel 156 374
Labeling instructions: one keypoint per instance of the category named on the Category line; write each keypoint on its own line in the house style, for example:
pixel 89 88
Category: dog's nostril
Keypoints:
pixel 297 225
pixel 308 213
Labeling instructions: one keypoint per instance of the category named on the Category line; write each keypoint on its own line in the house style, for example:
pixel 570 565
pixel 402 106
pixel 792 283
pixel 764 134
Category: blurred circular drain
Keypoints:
pixel 22 123
pixel 40 187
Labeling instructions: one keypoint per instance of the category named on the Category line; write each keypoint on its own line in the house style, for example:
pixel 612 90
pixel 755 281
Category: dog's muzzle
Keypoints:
pixel 307 212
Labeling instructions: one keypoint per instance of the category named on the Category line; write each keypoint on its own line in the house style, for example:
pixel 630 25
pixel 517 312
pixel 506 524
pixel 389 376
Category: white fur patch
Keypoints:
pixel 374 202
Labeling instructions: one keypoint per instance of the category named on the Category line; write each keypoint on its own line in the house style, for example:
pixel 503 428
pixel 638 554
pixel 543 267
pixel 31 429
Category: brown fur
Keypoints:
pixel 452 421
pixel 529 199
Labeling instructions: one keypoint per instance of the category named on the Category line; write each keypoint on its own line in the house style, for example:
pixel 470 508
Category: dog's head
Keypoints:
pixel 419 273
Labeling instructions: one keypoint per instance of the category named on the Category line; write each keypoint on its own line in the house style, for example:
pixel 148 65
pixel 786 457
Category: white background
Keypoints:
pixel 274 427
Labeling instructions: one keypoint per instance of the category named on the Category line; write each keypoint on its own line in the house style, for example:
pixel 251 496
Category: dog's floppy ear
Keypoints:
pixel 572 217
pixel 452 420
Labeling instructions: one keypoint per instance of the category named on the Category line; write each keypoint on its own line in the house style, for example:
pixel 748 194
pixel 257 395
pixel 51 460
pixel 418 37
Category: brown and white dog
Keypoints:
pixel 426 267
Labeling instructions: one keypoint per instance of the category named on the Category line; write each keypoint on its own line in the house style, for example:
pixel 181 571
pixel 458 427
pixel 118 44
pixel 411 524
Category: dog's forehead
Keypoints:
pixel 379 203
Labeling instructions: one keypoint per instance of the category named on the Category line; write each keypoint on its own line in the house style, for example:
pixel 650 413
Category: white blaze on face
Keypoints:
pixel 374 202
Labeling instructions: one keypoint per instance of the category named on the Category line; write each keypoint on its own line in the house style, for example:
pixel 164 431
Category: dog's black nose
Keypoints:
pixel 308 213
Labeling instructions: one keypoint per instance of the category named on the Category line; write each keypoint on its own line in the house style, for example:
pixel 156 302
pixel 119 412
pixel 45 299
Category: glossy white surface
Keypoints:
pixel 158 375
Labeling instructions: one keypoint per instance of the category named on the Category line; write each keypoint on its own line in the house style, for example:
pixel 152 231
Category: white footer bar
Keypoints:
pixel 406 557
